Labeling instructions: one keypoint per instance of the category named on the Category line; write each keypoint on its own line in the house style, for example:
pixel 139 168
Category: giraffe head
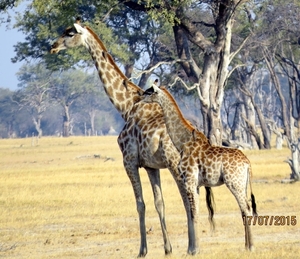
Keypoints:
pixel 152 94
pixel 72 37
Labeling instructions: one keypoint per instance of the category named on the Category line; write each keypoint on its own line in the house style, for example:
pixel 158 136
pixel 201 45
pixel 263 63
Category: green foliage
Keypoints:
pixel 43 21
pixel 7 106
pixel 31 74
pixel 12 120
pixel 8 4
pixel 162 9
pixel 67 86
pixel 118 49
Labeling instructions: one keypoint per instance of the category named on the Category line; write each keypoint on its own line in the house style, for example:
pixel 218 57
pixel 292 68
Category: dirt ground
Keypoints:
pixel 88 241
pixel 120 239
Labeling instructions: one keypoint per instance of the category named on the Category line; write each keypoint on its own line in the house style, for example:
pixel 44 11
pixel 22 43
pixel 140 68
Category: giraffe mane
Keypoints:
pixel 112 60
pixel 97 38
pixel 187 124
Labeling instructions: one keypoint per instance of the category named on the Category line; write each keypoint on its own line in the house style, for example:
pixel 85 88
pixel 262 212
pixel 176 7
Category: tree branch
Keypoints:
pixel 233 54
pixel 138 7
pixel 157 65
pixel 189 88
pixel 196 36
pixel 234 68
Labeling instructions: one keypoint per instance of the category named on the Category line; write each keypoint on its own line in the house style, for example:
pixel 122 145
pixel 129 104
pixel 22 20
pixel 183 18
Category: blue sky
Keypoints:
pixel 10 37
pixel 9 69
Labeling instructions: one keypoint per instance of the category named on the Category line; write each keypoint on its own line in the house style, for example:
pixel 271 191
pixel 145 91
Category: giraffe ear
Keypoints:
pixel 79 28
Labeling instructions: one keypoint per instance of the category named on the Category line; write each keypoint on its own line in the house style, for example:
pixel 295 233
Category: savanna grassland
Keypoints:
pixel 71 198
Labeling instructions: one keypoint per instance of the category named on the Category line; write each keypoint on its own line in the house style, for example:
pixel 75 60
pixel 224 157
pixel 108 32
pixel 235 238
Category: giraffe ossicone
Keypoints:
pixel 144 141
pixel 202 164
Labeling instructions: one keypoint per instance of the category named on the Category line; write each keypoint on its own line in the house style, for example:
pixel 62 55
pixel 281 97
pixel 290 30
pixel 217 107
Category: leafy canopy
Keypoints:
pixel 44 20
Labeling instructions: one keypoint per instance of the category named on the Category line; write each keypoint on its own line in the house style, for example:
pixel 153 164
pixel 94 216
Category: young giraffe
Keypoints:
pixel 202 164
pixel 144 141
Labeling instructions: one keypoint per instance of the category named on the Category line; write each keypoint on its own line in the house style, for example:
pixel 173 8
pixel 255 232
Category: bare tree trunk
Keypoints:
pixel 294 161
pixel 66 121
pixel 271 67
pixel 253 132
pixel 276 131
pixel 210 108
pixel 37 125
pixel 129 69
pixel 92 114
pixel 251 124
pixel 294 146
pixel 250 115
pixel 212 79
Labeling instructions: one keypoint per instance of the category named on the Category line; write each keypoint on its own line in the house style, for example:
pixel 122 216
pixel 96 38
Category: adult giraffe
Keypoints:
pixel 144 141
pixel 202 164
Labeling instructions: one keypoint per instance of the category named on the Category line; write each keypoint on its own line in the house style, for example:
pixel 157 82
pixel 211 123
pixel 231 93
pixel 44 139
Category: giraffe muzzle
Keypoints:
pixel 54 51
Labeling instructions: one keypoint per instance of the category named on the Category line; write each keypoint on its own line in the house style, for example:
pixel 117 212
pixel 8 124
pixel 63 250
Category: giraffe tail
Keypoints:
pixel 253 203
pixel 210 203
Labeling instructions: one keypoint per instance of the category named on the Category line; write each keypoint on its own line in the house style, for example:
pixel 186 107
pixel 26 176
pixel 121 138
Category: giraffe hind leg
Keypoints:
pixel 240 196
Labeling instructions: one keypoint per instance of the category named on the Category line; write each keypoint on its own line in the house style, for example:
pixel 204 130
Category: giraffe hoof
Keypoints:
pixel 250 248
pixel 193 251
pixel 143 253
pixel 168 251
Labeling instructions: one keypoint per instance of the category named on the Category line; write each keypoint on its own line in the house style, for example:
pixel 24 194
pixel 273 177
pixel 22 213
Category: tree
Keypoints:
pixel 5 7
pixel 246 79
pixel 7 4
pixel 66 88
pixel 211 36
pixel 8 113
pixel 41 23
pixel 93 111
pixel 33 95
pixel 282 56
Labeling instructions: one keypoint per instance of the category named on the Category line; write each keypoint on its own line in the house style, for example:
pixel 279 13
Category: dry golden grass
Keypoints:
pixel 58 200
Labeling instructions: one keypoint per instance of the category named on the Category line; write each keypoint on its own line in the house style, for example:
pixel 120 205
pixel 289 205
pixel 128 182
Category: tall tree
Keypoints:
pixel 8 113
pixel 41 23
pixel 208 26
pixel 280 47
pixel 33 95
pixel 93 108
pixel 66 88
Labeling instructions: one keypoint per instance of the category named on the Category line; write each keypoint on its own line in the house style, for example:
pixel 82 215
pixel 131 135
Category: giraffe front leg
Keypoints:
pixel 154 177
pixel 190 178
pixel 134 177
pixel 130 162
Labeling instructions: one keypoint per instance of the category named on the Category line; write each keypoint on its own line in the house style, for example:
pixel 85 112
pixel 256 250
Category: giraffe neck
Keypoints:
pixel 180 130
pixel 121 92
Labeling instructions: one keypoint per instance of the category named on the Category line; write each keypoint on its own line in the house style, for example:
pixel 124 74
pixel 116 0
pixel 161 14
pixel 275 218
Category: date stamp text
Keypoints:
pixel 270 220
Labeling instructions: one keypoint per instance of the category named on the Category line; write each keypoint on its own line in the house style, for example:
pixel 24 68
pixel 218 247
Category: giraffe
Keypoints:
pixel 144 141
pixel 202 164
